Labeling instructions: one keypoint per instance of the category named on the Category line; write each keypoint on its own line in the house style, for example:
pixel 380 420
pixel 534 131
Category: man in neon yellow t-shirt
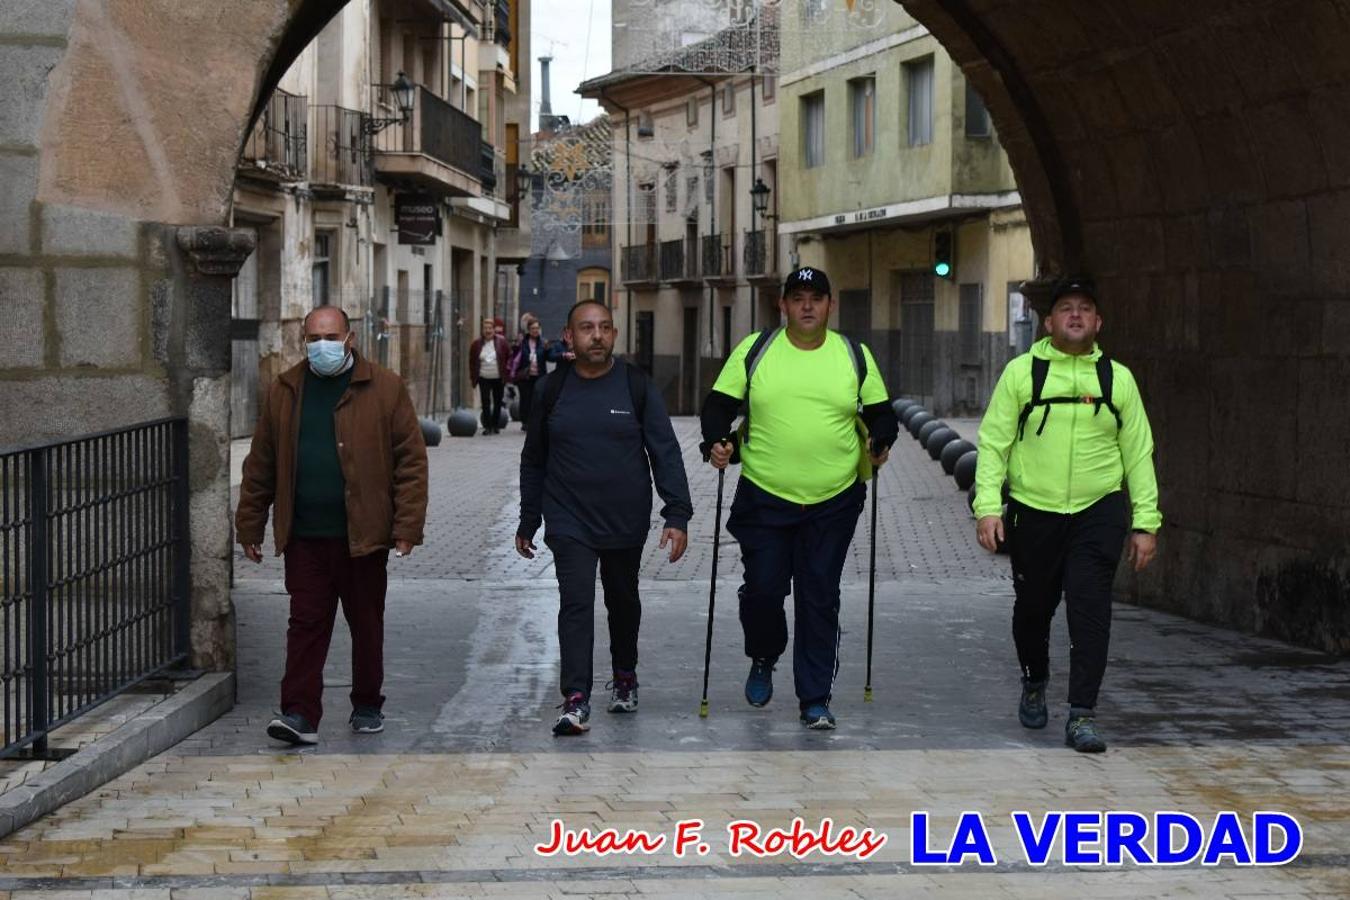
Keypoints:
pixel 799 496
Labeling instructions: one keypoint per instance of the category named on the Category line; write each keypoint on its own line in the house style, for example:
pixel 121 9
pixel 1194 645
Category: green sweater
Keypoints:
pixel 320 488
pixel 1080 457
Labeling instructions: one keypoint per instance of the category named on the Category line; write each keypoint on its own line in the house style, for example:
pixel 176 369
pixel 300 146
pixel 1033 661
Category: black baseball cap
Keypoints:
pixel 807 277
pixel 1075 285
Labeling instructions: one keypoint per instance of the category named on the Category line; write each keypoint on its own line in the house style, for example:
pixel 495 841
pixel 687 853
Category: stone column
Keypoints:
pixel 197 351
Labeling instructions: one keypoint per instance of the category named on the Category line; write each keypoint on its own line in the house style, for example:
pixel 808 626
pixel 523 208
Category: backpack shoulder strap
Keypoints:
pixel 1105 379
pixel 756 354
pixel 1040 370
pixel 553 387
pixel 637 389
pixel 753 357
pixel 856 354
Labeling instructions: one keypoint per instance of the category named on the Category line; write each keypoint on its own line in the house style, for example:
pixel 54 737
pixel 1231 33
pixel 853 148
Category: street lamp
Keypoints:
pixel 403 91
pixel 524 181
pixel 759 197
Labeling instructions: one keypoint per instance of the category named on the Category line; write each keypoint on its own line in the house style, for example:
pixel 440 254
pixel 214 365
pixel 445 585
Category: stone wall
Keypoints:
pixel 120 127
pixel 1193 157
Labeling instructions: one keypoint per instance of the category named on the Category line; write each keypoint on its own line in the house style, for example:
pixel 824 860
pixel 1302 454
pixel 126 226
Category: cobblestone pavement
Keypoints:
pixel 452 797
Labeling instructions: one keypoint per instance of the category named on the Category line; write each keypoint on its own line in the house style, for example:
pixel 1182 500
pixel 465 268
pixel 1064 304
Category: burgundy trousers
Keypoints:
pixel 320 573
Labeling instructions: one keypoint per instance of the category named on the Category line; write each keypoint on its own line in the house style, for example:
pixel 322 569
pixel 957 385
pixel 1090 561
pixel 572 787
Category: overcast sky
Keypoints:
pixel 565 29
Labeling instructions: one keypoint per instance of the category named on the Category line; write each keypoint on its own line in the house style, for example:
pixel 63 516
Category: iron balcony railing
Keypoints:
pixel 94 575
pixel 638 263
pixel 338 154
pixel 672 260
pixel 435 129
pixel 502 20
pixel 719 261
pixel 760 258
pixel 277 143
pixel 488 172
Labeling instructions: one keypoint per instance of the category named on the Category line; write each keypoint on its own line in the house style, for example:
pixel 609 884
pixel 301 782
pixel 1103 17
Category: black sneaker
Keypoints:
pixel 292 728
pixel 1031 711
pixel 759 683
pixel 365 720
pixel 1080 733
pixel 576 715
pixel 623 697
pixel 817 717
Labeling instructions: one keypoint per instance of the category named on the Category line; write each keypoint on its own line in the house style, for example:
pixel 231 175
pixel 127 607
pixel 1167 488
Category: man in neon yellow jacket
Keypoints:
pixel 1067 430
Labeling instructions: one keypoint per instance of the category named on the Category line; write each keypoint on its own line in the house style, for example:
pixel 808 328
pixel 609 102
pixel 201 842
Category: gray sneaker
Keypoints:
pixel 576 715
pixel 1080 733
pixel 1031 711
pixel 365 720
pixel 292 728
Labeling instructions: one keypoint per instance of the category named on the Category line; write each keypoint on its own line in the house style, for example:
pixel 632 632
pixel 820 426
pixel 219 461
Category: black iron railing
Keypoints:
pixel 435 129
pixel 502 18
pixel 672 260
pixel 277 143
pixel 337 154
pixel 719 260
pixel 638 263
pixel 759 256
pixel 94 575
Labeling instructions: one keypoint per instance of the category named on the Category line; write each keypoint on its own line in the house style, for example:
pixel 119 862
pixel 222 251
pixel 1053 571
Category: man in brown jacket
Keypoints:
pixel 338 453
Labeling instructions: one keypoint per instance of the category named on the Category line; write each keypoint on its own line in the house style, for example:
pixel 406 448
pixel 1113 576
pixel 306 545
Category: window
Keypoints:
pixel 862 106
pixel 977 114
pixel 646 128
pixel 919 80
pixel 729 98
pixel 646 203
pixel 768 88
pixel 813 129
pixel 813 12
pixel 672 188
pixel 691 112
pixel 322 280
pixel 593 284
pixel 595 218
pixel 971 312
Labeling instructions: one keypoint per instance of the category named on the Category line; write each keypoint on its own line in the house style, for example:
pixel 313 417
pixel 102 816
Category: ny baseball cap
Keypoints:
pixel 1076 285
pixel 807 277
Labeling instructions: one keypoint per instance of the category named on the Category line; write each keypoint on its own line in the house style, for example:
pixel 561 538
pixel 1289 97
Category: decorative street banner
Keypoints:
pixel 417 217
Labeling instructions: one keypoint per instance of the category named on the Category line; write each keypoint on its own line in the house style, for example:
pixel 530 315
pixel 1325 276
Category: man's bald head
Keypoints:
pixel 325 320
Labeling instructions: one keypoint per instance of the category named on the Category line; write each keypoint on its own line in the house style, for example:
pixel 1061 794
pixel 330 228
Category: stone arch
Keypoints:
pixel 119 140
pixel 1195 157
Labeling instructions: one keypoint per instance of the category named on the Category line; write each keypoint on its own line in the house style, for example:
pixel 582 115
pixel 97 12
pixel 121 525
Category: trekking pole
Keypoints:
pixel 871 591
pixel 712 594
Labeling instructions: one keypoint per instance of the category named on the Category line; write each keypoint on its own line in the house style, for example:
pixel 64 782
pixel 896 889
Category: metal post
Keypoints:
pixel 182 555
pixel 37 597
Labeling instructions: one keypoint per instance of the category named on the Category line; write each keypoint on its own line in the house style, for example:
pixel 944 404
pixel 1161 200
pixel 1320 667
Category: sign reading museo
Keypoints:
pixel 418 218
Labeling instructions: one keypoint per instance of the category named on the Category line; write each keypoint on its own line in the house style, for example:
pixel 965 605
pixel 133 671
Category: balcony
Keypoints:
pixel 337 157
pixel 440 148
pixel 276 147
pixel 638 265
pixel 679 261
pixel 761 256
pixel 719 259
pixel 502 22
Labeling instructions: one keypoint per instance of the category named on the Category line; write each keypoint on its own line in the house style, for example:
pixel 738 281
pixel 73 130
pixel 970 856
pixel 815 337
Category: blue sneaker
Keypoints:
pixel 817 717
pixel 759 683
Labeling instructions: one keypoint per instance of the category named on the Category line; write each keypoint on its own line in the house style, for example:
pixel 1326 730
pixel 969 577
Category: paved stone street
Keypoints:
pixel 450 800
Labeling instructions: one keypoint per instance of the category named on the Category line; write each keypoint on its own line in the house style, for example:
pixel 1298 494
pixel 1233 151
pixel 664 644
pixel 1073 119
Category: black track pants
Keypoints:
pixel 1076 555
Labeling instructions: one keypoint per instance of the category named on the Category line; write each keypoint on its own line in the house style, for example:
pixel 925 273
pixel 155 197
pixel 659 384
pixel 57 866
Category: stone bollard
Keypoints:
pixel 952 452
pixel 462 423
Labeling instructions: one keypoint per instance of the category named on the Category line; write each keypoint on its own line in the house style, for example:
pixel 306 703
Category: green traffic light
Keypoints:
pixel 942 269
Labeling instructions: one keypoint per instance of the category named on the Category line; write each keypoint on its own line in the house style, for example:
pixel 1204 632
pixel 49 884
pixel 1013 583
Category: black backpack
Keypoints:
pixel 1040 369
pixel 553 385
pixel 756 354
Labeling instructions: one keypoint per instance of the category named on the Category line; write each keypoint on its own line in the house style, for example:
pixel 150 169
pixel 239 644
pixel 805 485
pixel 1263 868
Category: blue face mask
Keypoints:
pixel 326 358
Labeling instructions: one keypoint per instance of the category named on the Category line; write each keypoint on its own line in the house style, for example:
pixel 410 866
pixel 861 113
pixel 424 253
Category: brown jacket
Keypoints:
pixel 380 446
